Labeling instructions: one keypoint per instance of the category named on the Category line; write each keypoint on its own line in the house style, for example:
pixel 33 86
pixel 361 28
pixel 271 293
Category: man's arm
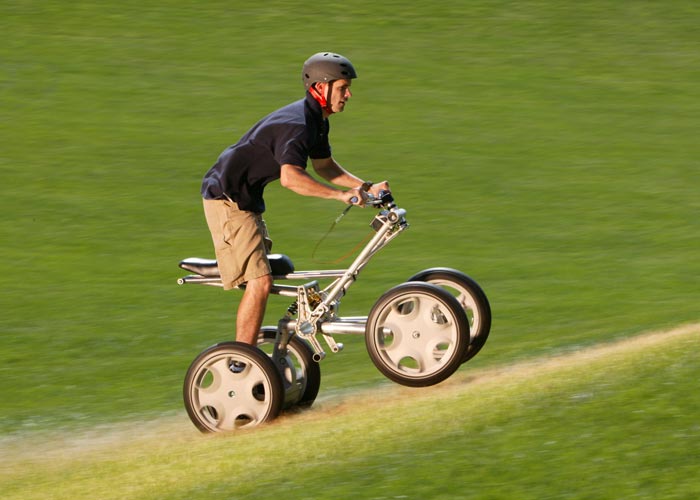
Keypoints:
pixel 295 178
pixel 330 170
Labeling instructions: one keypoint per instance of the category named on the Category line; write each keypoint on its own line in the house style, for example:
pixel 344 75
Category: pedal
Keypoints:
pixel 335 346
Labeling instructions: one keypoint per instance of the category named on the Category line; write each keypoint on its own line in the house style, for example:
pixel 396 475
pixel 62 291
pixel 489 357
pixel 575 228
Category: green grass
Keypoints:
pixel 547 150
pixel 618 421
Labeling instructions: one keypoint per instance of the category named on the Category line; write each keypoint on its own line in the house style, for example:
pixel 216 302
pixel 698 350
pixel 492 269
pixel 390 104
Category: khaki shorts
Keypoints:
pixel 241 242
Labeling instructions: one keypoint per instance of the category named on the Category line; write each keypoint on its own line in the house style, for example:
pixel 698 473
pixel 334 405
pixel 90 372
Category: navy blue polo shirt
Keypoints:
pixel 290 135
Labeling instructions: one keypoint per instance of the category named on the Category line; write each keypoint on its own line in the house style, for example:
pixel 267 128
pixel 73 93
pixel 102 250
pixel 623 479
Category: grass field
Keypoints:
pixel 549 150
pixel 610 422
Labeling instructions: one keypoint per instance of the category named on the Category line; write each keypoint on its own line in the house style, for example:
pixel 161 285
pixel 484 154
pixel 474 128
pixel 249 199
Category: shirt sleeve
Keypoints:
pixel 323 151
pixel 294 152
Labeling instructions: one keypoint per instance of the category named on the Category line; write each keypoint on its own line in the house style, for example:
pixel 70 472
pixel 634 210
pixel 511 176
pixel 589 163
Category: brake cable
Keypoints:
pixel 330 230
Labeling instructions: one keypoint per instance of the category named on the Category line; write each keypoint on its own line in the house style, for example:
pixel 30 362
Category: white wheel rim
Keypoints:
pixel 224 400
pixel 415 335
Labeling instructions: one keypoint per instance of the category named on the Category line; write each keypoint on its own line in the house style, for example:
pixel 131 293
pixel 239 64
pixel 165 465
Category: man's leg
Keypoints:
pixel 252 309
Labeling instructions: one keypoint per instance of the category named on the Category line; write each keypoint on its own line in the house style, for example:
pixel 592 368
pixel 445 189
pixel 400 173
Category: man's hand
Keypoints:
pixel 378 188
pixel 355 196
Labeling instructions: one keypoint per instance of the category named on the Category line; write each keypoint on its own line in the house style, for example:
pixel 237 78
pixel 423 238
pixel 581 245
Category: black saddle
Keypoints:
pixel 281 265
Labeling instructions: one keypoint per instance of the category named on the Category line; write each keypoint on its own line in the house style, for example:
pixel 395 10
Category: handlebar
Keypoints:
pixel 384 200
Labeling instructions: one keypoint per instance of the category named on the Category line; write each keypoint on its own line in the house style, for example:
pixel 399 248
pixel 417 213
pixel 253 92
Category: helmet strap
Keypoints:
pixel 324 101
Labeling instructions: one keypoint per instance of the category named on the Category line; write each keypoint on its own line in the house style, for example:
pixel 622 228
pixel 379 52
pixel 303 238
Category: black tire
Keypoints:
pixel 232 385
pixel 307 372
pixel 417 334
pixel 470 296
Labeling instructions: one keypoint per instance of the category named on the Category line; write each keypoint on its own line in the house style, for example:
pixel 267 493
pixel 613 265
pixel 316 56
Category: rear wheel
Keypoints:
pixel 232 385
pixel 301 375
pixel 417 334
pixel 472 298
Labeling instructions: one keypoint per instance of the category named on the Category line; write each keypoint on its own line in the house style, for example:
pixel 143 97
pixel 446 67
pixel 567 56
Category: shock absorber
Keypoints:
pixel 293 309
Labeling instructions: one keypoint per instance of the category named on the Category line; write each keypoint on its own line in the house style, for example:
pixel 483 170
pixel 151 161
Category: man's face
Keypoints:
pixel 340 94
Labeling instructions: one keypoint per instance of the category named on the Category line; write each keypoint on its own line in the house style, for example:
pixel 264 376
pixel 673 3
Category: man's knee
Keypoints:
pixel 262 284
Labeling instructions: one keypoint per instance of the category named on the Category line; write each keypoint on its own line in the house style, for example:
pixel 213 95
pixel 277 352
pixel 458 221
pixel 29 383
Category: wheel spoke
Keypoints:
pixel 212 383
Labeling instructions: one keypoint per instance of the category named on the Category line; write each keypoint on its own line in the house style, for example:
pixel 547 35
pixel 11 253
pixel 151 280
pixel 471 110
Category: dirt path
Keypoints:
pixel 65 445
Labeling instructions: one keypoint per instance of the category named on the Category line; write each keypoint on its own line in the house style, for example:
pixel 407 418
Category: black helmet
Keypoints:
pixel 326 67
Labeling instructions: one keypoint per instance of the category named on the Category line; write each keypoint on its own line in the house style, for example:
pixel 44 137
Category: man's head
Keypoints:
pixel 328 77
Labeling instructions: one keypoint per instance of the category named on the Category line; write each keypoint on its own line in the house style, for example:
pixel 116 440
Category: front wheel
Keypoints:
pixel 232 385
pixel 470 296
pixel 417 334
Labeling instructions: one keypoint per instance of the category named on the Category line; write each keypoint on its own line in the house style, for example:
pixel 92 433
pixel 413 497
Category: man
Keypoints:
pixel 277 147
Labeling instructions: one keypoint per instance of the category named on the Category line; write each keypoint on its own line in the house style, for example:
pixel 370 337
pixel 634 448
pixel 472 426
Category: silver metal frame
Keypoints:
pixel 317 309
